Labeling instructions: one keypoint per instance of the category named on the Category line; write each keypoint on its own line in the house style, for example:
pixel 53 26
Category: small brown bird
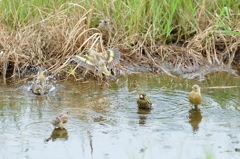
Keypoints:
pixel 60 121
pixel 39 84
pixel 103 26
pixel 37 89
pixel 105 29
pixel 144 102
pixel 99 61
pixel 41 77
pixel 195 96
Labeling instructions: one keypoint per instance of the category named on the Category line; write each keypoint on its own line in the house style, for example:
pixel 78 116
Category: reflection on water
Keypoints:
pixel 143 115
pixel 195 118
pixel 58 133
pixel 90 141
pixel 105 122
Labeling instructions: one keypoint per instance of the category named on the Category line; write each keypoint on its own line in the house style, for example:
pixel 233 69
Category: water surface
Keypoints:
pixel 104 121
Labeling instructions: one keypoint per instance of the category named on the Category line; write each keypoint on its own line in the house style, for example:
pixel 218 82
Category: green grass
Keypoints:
pixel 131 17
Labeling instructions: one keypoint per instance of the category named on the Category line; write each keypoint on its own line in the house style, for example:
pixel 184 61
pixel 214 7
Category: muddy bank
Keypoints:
pixel 206 37
pixel 200 54
pixel 194 71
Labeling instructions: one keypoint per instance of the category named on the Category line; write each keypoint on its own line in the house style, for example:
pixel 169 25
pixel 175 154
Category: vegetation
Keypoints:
pixel 184 33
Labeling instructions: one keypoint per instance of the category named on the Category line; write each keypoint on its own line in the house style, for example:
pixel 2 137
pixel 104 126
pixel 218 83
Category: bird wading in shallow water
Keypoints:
pixel 102 62
pixel 39 84
pixel 144 102
pixel 37 89
pixel 60 121
pixel 195 96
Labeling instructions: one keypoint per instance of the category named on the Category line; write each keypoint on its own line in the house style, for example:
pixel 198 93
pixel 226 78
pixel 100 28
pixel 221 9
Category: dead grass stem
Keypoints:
pixel 52 38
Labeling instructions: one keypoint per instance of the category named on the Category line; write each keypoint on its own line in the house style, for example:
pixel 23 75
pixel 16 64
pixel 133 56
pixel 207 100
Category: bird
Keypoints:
pixel 195 96
pixel 41 77
pixel 60 121
pixel 144 102
pixel 103 26
pixel 102 62
pixel 105 29
pixel 39 84
pixel 37 89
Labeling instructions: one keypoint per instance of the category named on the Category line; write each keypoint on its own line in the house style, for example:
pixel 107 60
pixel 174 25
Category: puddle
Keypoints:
pixel 104 121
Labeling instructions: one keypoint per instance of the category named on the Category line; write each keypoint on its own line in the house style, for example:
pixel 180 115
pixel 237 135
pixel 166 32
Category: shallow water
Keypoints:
pixel 104 121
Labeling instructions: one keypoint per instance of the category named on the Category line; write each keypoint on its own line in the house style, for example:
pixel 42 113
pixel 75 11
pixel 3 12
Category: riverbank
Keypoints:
pixel 185 35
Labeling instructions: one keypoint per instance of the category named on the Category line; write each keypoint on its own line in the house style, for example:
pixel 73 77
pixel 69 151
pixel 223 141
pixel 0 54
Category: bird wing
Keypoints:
pixel 63 118
pixel 148 100
pixel 137 101
pixel 56 121
pixel 84 62
pixel 142 103
pixel 112 57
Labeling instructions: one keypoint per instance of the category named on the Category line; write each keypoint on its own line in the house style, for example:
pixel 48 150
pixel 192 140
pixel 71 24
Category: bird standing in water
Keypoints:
pixel 37 89
pixel 144 102
pixel 101 62
pixel 39 84
pixel 60 121
pixel 195 96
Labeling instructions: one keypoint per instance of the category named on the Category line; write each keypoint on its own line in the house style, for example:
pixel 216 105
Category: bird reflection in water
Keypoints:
pixel 58 133
pixel 143 115
pixel 195 118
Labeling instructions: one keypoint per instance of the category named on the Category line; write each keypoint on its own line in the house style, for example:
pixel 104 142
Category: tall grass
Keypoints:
pixel 130 16
pixel 47 32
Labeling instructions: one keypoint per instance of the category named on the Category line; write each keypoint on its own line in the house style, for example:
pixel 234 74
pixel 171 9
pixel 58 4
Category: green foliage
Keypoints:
pixel 71 72
pixel 17 13
pixel 157 20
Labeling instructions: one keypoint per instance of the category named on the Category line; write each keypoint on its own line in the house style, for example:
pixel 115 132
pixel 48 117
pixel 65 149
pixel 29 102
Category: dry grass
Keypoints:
pixel 52 38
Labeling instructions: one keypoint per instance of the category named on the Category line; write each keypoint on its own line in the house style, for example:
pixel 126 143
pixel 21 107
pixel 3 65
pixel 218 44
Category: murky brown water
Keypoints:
pixel 105 122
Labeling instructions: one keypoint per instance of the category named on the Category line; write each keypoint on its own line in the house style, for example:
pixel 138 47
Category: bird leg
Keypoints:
pixel 195 107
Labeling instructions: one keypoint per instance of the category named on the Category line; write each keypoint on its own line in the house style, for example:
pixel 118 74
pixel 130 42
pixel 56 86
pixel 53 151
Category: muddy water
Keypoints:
pixel 104 121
